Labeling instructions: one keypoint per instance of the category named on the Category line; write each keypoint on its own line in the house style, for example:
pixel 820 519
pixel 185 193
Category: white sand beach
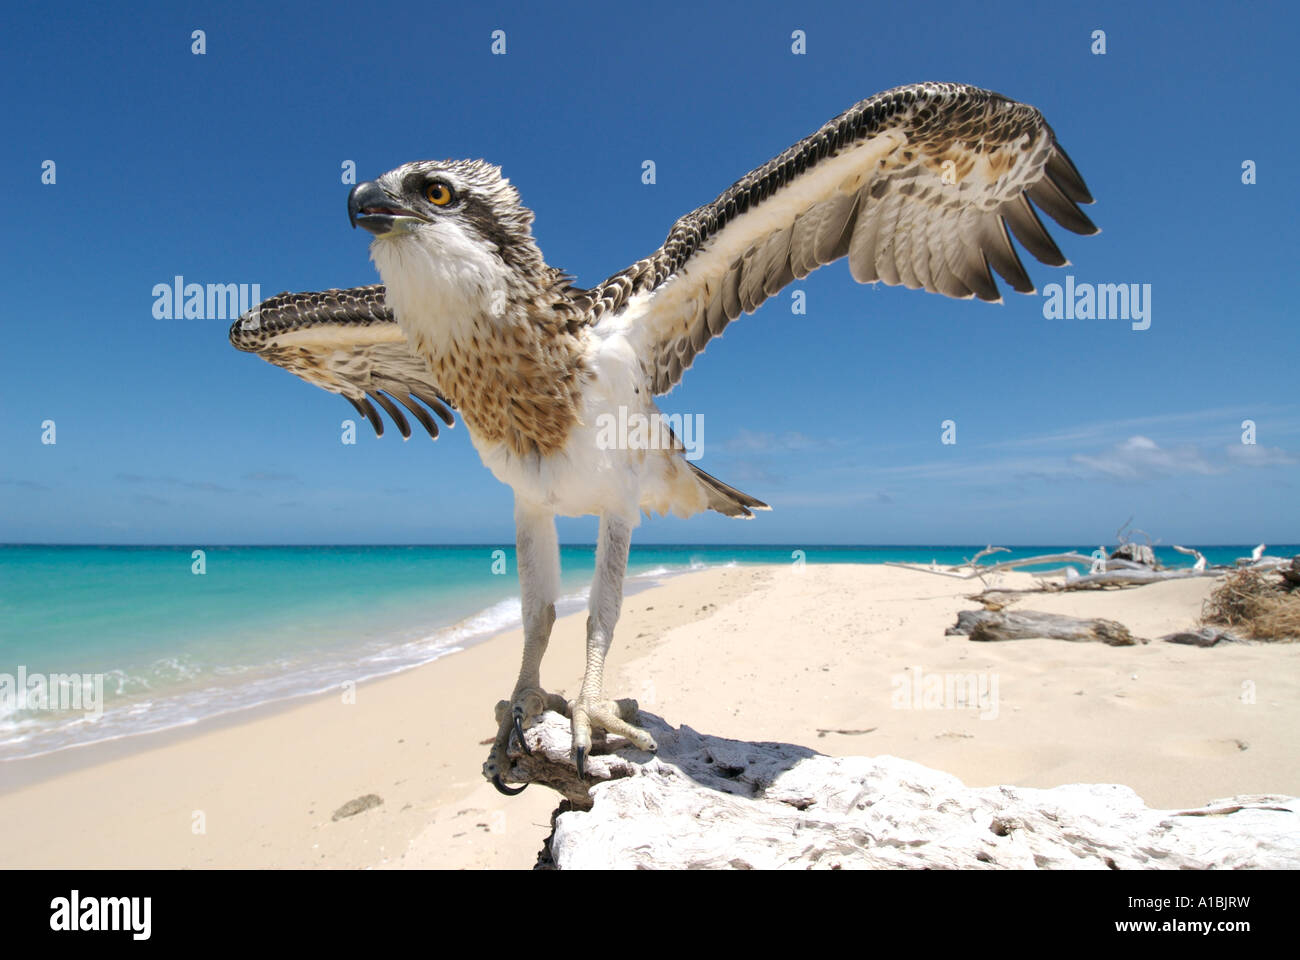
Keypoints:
pixel 813 656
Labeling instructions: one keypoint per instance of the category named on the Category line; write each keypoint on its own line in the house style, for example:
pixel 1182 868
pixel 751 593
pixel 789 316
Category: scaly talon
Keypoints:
pixel 612 716
pixel 508 791
pixel 519 733
pixel 513 716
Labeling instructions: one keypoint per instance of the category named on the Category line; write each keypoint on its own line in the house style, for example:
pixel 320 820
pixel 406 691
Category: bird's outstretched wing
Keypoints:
pixel 915 186
pixel 346 342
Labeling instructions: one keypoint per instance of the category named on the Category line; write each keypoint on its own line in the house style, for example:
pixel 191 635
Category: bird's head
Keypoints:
pixel 451 239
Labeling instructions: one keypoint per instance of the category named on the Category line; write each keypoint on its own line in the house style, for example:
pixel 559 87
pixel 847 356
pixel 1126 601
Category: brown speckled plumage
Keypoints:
pixel 516 380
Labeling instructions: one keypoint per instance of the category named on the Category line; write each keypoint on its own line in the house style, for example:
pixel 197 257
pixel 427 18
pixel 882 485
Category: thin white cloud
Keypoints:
pixel 290 479
pixel 24 484
pixel 1135 459
pixel 1217 419
pixel 1253 455
pixel 174 482
pixel 1140 457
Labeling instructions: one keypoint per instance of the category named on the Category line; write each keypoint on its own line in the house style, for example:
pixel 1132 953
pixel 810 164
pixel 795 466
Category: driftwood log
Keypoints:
pixel 991 625
pixel 1137 553
pixel 1130 578
pixel 706 802
pixel 1205 637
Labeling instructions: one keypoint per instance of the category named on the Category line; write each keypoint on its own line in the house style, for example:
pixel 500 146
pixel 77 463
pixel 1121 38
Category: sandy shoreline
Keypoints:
pixel 759 653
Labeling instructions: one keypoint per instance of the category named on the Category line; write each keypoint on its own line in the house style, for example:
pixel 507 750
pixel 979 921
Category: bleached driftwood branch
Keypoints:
pixel 1200 557
pixel 971 574
pixel 707 802
pixel 1129 578
pixel 1258 561
pixel 975 560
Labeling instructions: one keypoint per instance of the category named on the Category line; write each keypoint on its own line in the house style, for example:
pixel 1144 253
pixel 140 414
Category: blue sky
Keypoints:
pixel 225 168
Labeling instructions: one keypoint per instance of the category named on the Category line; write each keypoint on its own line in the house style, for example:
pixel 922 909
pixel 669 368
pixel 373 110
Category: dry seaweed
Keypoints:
pixel 1261 605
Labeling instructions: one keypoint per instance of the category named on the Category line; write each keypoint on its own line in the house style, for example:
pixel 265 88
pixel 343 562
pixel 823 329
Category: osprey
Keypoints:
pixel 915 186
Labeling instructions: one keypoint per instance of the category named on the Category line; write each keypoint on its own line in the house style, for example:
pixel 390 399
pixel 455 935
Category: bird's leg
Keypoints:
pixel 589 710
pixel 537 552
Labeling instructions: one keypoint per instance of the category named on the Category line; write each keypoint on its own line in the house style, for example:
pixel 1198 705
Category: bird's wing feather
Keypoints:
pixel 346 342
pixel 915 186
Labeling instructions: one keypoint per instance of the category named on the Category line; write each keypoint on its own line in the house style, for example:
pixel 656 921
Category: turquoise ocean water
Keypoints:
pixel 171 647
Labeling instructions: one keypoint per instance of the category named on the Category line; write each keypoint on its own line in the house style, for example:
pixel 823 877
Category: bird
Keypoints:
pixel 921 186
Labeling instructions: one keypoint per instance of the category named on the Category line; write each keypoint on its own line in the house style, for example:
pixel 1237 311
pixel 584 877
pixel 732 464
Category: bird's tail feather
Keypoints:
pixel 726 499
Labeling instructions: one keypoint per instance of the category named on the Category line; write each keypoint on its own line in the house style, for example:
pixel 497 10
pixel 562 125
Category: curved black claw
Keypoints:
pixel 508 791
pixel 519 732
pixel 581 756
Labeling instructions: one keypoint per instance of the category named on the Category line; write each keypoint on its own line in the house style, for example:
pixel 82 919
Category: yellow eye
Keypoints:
pixel 439 193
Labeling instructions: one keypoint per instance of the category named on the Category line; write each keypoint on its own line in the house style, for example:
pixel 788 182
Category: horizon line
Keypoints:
pixel 498 544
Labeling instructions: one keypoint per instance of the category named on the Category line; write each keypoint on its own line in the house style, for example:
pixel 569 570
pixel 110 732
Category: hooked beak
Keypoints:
pixel 372 207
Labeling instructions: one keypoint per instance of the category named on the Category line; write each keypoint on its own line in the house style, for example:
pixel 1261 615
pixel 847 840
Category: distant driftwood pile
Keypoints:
pixel 1259 598
pixel 703 801
pixel 1118 569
